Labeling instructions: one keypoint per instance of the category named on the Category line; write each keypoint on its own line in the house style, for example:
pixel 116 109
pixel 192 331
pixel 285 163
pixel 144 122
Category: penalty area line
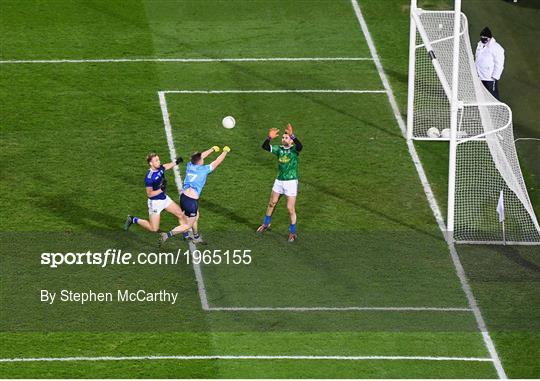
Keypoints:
pixel 315 309
pixel 186 60
pixel 256 357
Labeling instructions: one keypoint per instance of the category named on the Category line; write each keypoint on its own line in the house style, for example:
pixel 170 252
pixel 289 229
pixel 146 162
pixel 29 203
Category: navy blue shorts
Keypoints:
pixel 189 205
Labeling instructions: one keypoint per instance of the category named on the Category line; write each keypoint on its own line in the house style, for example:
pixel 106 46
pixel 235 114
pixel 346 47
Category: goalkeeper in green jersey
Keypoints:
pixel 287 178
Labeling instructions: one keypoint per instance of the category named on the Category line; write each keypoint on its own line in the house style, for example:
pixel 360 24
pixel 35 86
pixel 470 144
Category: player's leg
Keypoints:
pixel 291 203
pixel 291 191
pixel 274 198
pixel 277 190
pixel 180 229
pixel 195 228
pixel 175 210
pixel 182 219
pixel 190 207
pixel 152 224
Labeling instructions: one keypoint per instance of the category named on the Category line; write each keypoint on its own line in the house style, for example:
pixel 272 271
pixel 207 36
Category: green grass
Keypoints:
pixel 74 138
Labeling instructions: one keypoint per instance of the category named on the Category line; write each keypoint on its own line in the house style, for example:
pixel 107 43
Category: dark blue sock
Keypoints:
pixel 169 234
pixel 185 234
pixel 135 219
pixel 292 228
pixel 267 220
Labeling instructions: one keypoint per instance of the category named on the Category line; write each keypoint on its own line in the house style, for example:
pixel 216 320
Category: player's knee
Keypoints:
pixel 291 209
pixel 154 228
pixel 272 204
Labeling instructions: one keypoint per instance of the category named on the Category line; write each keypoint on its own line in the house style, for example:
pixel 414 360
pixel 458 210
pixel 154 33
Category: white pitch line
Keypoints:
pixel 263 357
pixel 170 140
pixel 431 198
pixel 310 309
pixel 186 60
pixel 178 180
pixel 277 91
pixel 200 279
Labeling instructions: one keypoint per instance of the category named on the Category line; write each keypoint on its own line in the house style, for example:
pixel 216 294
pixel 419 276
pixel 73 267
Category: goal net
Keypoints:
pixel 486 158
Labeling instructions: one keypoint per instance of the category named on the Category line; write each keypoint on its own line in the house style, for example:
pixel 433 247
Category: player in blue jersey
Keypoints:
pixel 195 179
pixel 156 191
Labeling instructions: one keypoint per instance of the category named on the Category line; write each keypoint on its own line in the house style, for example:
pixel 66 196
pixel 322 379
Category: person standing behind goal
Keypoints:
pixel 489 61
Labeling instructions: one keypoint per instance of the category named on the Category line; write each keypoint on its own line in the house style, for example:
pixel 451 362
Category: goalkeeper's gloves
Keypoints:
pixel 226 149
pixel 215 148
pixel 179 160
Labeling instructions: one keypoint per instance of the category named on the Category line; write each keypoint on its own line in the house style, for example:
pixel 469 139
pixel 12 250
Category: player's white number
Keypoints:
pixel 192 176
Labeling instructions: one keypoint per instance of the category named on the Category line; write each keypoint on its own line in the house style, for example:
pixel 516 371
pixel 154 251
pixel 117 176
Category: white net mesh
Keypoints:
pixel 487 161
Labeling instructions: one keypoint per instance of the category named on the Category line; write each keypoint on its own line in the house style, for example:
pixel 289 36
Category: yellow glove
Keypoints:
pixel 215 148
pixel 226 149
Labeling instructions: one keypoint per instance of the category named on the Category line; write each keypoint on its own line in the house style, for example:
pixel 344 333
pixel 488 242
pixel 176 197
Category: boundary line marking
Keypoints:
pixel 431 198
pixel 186 60
pixel 276 91
pixel 197 268
pixel 309 309
pixel 222 357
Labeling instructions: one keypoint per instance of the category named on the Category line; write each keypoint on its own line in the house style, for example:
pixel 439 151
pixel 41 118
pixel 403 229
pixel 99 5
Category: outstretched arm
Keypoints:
pixel 220 158
pixel 266 144
pixel 271 135
pixel 172 164
pixel 209 151
pixel 297 143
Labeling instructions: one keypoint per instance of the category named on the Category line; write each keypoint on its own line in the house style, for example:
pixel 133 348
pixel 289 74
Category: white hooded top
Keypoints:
pixel 489 60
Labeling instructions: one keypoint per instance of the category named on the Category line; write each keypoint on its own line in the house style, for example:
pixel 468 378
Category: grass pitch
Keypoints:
pixel 74 140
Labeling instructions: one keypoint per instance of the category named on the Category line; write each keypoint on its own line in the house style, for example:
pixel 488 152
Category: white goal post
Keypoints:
pixel 488 202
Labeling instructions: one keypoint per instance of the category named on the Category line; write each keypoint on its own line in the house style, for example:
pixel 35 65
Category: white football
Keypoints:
pixel 228 122
pixel 433 132
pixel 445 133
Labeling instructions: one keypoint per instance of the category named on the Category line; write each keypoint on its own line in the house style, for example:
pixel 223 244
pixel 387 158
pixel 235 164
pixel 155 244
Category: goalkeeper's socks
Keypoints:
pixel 185 235
pixel 267 220
pixel 292 228
pixel 135 220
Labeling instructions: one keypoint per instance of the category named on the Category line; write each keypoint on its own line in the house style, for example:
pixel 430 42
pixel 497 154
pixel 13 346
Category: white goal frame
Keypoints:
pixel 450 83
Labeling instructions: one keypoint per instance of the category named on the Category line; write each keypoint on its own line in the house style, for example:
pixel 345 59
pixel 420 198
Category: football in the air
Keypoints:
pixel 228 122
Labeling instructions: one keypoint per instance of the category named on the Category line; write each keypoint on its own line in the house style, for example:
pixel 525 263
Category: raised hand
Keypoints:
pixel 273 133
pixel 289 130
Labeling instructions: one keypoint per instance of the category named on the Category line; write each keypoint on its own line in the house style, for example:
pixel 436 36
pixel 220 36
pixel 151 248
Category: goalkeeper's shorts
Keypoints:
pixel 157 206
pixel 189 205
pixel 286 187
